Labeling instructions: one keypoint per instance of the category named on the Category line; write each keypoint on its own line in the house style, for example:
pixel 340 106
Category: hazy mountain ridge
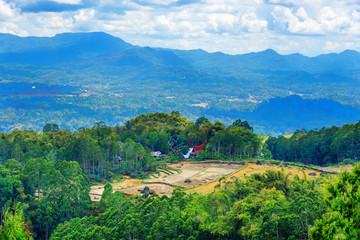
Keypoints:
pixel 90 45
pixel 131 80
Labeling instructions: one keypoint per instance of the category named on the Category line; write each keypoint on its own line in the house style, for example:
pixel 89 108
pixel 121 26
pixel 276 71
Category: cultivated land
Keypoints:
pixel 252 168
pixel 203 176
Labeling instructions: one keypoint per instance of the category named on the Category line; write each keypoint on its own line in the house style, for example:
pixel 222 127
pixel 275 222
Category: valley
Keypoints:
pixel 88 77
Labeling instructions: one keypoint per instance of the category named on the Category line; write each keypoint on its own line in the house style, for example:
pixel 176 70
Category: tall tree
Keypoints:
pixel 342 220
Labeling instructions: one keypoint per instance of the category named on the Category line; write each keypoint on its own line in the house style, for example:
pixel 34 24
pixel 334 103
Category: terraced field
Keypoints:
pixel 252 168
pixel 200 177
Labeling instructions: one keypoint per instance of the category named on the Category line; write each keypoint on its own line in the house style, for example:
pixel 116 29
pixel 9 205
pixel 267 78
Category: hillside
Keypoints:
pixel 93 76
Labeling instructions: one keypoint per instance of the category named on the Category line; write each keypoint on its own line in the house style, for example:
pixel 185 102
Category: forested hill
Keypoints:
pixel 76 79
pixel 319 147
pixel 293 112
pixel 45 180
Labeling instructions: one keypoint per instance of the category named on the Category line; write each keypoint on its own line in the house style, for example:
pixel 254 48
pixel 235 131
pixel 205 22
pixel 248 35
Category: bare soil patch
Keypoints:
pixel 338 169
pixel 198 173
pixel 203 178
pixel 159 189
pixel 97 191
pixel 252 168
pixel 126 184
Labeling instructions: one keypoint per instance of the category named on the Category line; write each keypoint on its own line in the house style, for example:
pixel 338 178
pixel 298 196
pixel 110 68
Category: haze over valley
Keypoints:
pixel 76 79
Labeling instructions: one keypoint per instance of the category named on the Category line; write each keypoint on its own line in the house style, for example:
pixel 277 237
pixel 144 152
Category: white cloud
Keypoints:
pixel 72 2
pixel 332 46
pixel 84 15
pixel 253 24
pixel 302 14
pixel 233 26
pixel 6 10
pixel 327 22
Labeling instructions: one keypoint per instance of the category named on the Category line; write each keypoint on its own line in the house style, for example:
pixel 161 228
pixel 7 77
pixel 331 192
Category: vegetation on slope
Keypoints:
pixel 262 206
pixel 45 184
pixel 127 149
pixel 319 147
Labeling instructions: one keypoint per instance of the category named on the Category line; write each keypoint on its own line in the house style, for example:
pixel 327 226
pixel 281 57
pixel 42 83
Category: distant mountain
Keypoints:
pixel 293 112
pixel 269 60
pixel 62 48
pixel 280 115
pixel 93 71
pixel 79 46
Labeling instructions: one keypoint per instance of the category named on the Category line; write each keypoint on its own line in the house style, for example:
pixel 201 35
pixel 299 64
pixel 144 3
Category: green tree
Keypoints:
pixel 13 225
pixel 153 140
pixel 11 187
pixel 342 220
pixel 50 127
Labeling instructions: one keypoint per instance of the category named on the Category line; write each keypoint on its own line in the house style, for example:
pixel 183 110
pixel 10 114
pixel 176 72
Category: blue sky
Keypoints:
pixel 310 27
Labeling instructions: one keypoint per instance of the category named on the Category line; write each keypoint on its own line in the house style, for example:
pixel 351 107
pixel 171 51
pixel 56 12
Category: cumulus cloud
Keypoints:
pixel 233 26
pixel 253 24
pixel 299 22
pixel 53 5
pixel 6 10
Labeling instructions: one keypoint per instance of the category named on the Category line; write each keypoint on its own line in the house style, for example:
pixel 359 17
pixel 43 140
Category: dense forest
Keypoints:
pixel 45 181
pixel 319 147
pixel 267 206
pixel 55 205
pixel 127 149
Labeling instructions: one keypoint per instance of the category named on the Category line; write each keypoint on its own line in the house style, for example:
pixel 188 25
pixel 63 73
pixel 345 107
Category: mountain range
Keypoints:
pixel 106 75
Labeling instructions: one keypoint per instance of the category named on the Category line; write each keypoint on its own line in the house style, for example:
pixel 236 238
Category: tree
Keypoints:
pixel 201 121
pixel 10 186
pixel 342 220
pixel 153 140
pixel 61 192
pixel 14 226
pixel 175 113
pixel 50 127
pixel 242 124
pixel 163 142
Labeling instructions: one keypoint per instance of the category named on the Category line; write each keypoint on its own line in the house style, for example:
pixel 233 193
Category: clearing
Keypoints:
pixel 200 177
pixel 252 168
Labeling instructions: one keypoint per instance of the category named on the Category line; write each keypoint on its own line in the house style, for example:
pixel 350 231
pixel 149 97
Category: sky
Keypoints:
pixel 309 27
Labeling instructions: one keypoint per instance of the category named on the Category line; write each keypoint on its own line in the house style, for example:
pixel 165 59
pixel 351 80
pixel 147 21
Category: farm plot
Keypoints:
pixel 195 174
pixel 159 189
pixel 197 177
pixel 338 169
pixel 252 168
pixel 97 191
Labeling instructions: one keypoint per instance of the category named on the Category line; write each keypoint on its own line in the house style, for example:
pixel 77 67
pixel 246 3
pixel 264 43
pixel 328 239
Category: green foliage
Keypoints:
pixel 60 192
pixel 319 147
pixel 341 221
pixel 11 187
pixel 50 173
pixel 262 206
pixel 102 151
pixel 242 124
pixel 50 127
pixel 13 225
pixel 235 141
